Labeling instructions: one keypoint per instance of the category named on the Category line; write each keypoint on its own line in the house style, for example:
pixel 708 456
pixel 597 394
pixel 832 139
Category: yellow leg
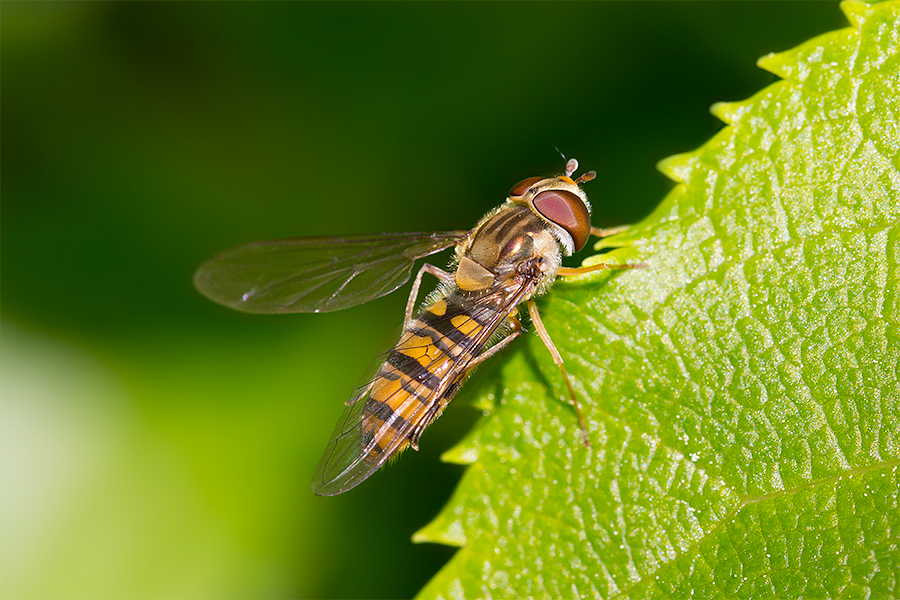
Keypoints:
pixel 516 330
pixel 572 271
pixel 545 337
pixel 601 232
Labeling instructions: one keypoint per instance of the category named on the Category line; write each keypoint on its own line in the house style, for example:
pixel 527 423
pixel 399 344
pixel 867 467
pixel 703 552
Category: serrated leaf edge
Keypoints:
pixel 447 526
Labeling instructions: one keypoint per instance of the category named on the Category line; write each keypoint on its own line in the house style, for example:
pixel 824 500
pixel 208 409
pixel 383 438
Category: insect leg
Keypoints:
pixel 572 271
pixel 517 330
pixel 601 232
pixel 413 294
pixel 545 337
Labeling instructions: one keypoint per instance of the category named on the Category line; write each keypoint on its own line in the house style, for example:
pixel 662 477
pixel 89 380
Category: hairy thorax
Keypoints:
pixel 509 245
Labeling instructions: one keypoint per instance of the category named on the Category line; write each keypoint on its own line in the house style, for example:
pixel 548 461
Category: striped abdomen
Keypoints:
pixel 412 388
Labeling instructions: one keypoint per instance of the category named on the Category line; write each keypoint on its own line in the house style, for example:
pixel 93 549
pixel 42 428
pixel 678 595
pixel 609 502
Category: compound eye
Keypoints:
pixel 568 211
pixel 521 187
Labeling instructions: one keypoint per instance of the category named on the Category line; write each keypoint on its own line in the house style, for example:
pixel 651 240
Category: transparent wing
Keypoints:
pixel 315 274
pixel 354 452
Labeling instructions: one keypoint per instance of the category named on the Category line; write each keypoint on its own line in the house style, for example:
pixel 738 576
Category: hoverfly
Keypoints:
pixel 512 255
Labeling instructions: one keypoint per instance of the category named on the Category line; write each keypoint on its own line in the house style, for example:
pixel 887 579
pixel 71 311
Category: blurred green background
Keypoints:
pixel 157 445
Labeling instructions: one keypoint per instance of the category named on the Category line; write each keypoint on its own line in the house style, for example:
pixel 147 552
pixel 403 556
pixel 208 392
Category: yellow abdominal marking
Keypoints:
pixel 388 391
pixel 465 325
pixel 439 308
pixel 420 348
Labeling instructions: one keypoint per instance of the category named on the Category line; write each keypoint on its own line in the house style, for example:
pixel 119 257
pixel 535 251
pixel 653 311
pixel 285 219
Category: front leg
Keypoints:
pixel 572 271
pixel 601 232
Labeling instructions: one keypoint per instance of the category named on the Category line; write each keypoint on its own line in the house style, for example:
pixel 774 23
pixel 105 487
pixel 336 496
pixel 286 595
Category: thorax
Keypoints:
pixel 511 245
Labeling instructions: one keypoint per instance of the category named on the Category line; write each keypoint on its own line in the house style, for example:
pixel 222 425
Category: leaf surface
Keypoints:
pixel 741 393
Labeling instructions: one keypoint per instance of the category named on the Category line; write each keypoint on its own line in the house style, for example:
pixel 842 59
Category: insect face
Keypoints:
pixel 560 202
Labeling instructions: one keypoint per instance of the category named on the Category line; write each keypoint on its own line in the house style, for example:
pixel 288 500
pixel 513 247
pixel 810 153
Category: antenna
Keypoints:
pixel 572 166
pixel 586 176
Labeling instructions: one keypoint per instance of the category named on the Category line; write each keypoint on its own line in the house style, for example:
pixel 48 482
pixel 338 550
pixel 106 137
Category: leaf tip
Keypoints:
pixel 678 167
pixel 442 530
pixel 855 11
pixel 463 453
pixel 724 111
pixel 484 403
pixel 775 63
pixel 466 451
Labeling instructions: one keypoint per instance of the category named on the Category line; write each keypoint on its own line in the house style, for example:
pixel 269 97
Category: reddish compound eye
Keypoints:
pixel 568 211
pixel 522 186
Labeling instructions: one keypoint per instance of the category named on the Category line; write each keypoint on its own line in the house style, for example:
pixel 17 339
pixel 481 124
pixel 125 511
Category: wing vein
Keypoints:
pixel 316 274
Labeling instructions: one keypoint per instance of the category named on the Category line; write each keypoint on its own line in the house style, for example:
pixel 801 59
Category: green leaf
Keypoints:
pixel 741 393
